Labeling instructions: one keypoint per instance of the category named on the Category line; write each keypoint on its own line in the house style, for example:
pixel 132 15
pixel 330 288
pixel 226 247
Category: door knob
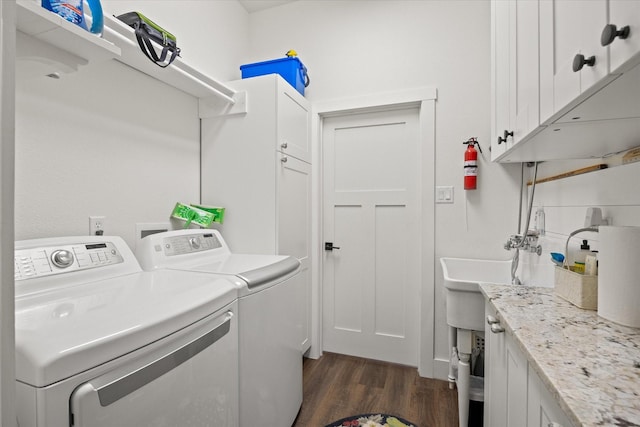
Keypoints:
pixel 580 61
pixel 610 32
pixel 328 246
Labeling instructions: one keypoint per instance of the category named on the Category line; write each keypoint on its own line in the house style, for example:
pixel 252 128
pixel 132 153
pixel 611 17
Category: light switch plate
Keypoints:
pixel 444 194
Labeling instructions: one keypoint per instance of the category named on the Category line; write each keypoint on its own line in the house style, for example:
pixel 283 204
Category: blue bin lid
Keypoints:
pixel 274 61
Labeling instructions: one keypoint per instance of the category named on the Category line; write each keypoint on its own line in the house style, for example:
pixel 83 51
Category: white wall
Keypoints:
pixel 565 202
pixel 354 48
pixel 95 143
pixel 108 140
pixel 212 34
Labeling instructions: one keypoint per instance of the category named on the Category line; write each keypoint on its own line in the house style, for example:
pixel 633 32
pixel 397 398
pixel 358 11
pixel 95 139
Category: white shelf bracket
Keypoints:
pixel 214 106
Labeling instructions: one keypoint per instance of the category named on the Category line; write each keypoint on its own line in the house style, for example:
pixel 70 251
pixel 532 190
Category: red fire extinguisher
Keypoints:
pixel 471 164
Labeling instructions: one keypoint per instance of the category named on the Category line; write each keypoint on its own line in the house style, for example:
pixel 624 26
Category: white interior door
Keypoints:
pixel 371 208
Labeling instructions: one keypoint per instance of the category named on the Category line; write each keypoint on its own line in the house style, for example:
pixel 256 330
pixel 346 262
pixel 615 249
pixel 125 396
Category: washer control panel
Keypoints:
pixel 38 262
pixel 179 245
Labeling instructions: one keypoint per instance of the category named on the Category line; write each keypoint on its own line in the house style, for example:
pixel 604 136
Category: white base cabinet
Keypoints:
pixel 505 379
pixel 257 166
pixel 514 395
pixel 542 409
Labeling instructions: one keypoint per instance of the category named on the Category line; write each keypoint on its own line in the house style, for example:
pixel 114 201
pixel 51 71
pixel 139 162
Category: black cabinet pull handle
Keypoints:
pixel 580 61
pixel 610 32
pixel 507 134
pixel 328 246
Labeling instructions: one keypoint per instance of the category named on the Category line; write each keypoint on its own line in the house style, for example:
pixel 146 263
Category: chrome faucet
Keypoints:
pixel 529 240
pixel 528 243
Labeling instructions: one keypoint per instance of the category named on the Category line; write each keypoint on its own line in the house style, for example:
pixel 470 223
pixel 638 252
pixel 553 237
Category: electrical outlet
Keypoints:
pixel 96 225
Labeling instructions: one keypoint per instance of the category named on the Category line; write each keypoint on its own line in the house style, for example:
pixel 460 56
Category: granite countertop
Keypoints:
pixel 589 364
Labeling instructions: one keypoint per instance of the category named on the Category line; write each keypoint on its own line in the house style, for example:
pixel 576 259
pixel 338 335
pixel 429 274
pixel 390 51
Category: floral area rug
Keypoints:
pixel 371 420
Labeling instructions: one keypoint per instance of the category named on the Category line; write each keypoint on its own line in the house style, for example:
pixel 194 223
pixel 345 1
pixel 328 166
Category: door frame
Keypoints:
pixel 424 99
pixel 7 183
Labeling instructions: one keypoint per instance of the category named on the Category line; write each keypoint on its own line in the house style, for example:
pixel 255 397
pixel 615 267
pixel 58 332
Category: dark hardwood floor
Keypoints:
pixel 338 386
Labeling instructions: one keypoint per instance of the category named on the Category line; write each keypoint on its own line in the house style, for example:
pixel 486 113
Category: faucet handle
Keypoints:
pixel 514 242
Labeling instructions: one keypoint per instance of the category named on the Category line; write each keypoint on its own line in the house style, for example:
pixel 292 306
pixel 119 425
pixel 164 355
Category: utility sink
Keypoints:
pixel 464 302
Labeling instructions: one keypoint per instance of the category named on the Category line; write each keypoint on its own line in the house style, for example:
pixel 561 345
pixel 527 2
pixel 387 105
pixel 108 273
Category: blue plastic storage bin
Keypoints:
pixel 291 69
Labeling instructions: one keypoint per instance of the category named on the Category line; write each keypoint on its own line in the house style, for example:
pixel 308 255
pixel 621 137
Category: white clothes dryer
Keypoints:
pixel 269 322
pixel 99 342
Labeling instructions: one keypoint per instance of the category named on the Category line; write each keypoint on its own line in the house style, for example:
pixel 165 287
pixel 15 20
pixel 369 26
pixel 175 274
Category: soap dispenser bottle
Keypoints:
pixel 581 256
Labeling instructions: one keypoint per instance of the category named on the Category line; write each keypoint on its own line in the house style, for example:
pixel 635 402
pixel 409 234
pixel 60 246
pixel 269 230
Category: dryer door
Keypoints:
pixel 190 380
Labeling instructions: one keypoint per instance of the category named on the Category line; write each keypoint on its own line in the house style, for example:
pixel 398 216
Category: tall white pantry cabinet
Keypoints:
pixel 257 165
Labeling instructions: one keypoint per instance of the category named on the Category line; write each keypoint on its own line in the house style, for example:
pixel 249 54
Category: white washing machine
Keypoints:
pixel 101 343
pixel 269 322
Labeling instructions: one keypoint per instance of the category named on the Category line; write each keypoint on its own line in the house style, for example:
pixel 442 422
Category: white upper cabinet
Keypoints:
pixel 572 60
pixel 293 123
pixel 525 86
pixel 515 73
pixel 501 120
pixel 622 34
pixel 580 99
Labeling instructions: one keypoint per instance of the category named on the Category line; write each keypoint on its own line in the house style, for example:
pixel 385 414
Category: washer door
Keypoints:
pixel 191 380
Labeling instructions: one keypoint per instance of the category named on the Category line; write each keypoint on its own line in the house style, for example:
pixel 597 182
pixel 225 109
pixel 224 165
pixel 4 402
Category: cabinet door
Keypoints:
pixel 495 379
pixel 524 58
pixel 569 28
pixel 293 123
pixel 293 232
pixel 543 410
pixel 516 364
pixel 500 108
pixel 505 390
pixel 294 201
pixel 515 73
pixel 623 13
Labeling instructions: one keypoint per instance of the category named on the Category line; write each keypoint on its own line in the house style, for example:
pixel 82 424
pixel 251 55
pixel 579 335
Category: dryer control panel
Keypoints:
pixel 189 243
pixel 46 261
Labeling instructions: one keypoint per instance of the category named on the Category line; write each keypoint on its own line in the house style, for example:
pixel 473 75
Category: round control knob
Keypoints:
pixel 62 258
pixel 194 243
